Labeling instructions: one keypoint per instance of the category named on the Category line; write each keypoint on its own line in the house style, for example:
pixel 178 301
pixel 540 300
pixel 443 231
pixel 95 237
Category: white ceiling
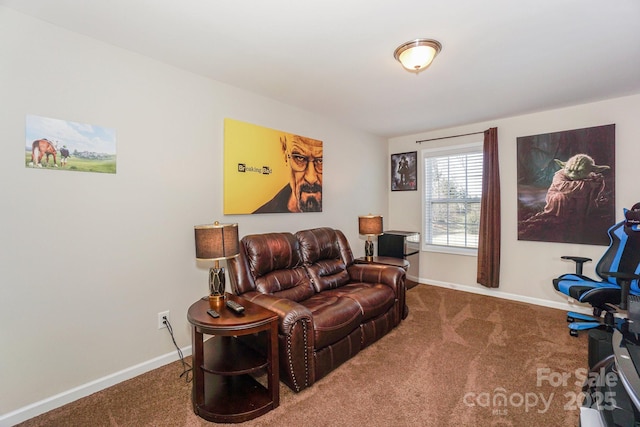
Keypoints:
pixel 335 57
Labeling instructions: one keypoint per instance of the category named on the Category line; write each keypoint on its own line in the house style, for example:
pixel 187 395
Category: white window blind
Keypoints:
pixel 453 189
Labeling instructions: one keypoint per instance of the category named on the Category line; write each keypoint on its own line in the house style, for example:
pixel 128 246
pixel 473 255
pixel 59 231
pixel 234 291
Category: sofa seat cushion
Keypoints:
pixel 333 318
pixel 373 299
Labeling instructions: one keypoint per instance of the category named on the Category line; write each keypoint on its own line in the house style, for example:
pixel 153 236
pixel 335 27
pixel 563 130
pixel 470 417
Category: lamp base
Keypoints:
pixel 368 250
pixel 216 301
pixel 213 298
pixel 216 287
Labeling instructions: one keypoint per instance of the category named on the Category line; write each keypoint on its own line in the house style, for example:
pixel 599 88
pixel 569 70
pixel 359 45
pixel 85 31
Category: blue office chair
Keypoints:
pixel 618 270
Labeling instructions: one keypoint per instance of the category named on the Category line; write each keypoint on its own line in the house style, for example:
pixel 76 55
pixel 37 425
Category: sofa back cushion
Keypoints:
pixel 275 265
pixel 326 254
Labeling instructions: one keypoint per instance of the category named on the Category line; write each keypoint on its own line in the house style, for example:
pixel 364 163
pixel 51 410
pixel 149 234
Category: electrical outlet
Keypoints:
pixel 161 316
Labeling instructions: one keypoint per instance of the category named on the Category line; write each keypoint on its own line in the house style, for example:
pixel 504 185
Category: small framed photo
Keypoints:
pixel 404 171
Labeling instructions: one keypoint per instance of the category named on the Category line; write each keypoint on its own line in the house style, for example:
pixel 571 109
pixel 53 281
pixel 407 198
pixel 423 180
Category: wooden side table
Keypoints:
pixel 225 389
pixel 385 260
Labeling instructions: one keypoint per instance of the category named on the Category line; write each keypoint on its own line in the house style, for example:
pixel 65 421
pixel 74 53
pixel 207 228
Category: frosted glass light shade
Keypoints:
pixel 416 55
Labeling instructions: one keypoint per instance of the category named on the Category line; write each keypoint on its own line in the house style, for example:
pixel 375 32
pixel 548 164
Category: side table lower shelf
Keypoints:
pixel 228 399
pixel 231 393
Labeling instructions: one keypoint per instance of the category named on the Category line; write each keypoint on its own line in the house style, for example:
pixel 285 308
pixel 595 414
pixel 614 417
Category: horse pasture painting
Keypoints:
pixel 63 145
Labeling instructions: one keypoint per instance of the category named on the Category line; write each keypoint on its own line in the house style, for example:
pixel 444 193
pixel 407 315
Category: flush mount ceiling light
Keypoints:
pixel 416 55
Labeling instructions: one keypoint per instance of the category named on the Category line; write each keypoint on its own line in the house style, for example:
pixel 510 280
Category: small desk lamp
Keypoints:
pixel 369 225
pixel 215 242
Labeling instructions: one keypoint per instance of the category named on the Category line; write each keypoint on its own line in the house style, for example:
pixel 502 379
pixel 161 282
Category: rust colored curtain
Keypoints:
pixel 489 234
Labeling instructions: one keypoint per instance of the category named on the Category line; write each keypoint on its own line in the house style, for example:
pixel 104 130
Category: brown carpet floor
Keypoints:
pixel 459 359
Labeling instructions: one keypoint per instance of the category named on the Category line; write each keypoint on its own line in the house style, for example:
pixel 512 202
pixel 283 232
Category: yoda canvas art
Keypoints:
pixel 566 186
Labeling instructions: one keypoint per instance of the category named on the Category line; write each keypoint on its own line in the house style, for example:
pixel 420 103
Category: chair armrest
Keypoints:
pixel 289 312
pixel 579 262
pixel 624 281
pixel 628 277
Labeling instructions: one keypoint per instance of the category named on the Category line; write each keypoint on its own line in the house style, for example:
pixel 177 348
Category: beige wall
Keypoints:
pixel 527 268
pixel 88 260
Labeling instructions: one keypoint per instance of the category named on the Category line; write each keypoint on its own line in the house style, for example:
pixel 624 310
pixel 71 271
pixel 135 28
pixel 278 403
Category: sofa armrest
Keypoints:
pixel 289 312
pixel 295 336
pixel 389 275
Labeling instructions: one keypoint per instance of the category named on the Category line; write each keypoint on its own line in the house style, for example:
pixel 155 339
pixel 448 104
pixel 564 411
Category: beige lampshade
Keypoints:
pixel 370 225
pixel 216 241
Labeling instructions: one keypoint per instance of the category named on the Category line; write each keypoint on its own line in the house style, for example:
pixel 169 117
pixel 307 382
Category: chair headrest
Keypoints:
pixel 632 217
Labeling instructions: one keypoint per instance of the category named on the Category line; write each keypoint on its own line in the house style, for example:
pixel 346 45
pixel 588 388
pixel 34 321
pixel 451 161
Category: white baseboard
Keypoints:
pixel 413 278
pixel 53 402
pixel 493 292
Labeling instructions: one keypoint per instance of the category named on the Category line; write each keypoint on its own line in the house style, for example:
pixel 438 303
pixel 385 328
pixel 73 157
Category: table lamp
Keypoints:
pixel 369 225
pixel 215 242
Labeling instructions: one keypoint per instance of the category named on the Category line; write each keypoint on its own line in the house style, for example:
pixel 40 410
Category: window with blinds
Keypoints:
pixel 453 189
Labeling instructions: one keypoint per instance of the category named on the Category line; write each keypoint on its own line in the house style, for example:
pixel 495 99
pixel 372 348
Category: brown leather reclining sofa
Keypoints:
pixel 329 308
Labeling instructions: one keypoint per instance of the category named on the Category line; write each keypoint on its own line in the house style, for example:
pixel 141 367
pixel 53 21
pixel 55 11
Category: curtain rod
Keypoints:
pixel 447 137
